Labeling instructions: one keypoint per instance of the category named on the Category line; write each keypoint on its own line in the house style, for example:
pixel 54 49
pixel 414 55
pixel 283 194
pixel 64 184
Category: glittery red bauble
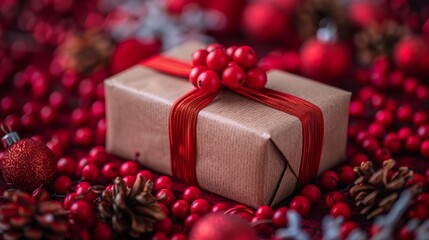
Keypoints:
pixel 130 52
pixel 264 22
pixel 325 61
pixel 222 226
pixel 28 164
pixel 365 13
pixel 412 55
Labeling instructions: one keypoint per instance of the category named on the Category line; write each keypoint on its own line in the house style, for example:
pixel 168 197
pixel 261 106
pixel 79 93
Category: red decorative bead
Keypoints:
pixel 357 108
pixel 191 194
pixel 81 212
pixel 264 212
pixel 404 113
pixel 213 46
pixel 300 204
pixel 233 76
pixel 245 56
pixel 90 172
pixel 346 174
pixel 165 226
pixel 341 209
pixel 166 197
pixel 256 78
pixel 347 228
pixel 195 72
pixel 424 149
pixel 66 166
pixel 329 180
pixel 358 159
pixel 334 197
pixel 381 155
pixel 129 180
pixel 217 60
pixel 147 175
pixel 62 184
pixel 180 209
pixel 412 143
pixel 279 217
pixel 199 57
pixel 200 207
pixel 312 193
pixel 164 182
pixel 208 81
pixel 97 155
pixel 191 220
pixel 219 208
pixel 129 168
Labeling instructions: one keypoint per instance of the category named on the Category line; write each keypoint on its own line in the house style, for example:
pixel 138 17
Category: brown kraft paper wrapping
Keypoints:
pixel 246 151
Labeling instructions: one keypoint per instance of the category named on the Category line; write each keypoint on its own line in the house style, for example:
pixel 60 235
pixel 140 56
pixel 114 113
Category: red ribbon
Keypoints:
pixel 184 114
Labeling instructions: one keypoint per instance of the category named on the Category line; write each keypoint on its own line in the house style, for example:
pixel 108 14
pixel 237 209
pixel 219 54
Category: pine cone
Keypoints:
pixel 310 13
pixel 84 52
pixel 130 211
pixel 27 217
pixel 376 40
pixel 376 191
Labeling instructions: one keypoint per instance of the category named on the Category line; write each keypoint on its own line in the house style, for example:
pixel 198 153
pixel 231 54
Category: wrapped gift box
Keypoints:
pixel 246 151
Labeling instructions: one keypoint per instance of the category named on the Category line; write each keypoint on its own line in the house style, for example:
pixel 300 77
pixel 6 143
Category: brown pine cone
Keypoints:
pixel 130 211
pixel 84 52
pixel 27 217
pixel 375 192
pixel 378 40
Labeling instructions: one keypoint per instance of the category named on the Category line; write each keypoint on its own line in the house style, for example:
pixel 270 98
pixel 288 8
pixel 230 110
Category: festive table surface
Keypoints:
pixel 55 55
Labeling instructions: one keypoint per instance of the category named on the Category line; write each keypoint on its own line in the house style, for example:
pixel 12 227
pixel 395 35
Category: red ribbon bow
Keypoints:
pixel 184 114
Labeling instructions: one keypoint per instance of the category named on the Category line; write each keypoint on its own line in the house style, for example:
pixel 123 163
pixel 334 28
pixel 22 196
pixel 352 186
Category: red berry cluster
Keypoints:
pixel 233 67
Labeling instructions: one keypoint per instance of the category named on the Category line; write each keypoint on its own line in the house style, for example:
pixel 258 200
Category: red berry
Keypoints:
pixel 165 226
pixel 420 118
pixel 160 236
pixel 347 228
pixel 370 145
pixel 62 184
pixel 199 57
pixel 48 115
pixel 195 72
pixel 424 149
pixel 69 200
pixel 392 142
pixel 81 212
pixel 66 166
pixel 166 197
pixel 79 116
pixel 423 198
pixel 179 236
pixel 357 108
pixel 129 180
pixel 217 60
pixel 129 168
pixel 404 113
pixel 334 197
pixel 233 76
pixel 57 100
pixel 301 205
pixel 164 182
pixel 346 174
pixel 341 209
pixel 147 175
pixel 213 46
pixel 110 171
pixel 102 231
pixel 200 206
pixel 83 136
pixel 90 172
pixel 358 159
pixel 80 165
pixel 191 220
pixel 208 81
pixel 381 155
pixel 230 50
pixel 279 217
pixel 312 193
pixel 264 212
pixel 245 56
pixel 164 209
pixel 180 209
pixel 219 208
pixel 419 211
pixel 405 234
pixel 329 180
pixel 97 155
pixel 191 194
pixel 256 78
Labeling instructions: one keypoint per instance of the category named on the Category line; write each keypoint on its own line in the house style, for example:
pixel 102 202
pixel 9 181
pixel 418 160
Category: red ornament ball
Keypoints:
pixel 220 227
pixel 412 55
pixel 316 60
pixel 28 157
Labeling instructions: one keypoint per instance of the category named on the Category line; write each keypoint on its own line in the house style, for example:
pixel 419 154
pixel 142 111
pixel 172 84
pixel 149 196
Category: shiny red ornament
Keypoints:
pixel 412 55
pixel 222 226
pixel 316 57
pixel 27 164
